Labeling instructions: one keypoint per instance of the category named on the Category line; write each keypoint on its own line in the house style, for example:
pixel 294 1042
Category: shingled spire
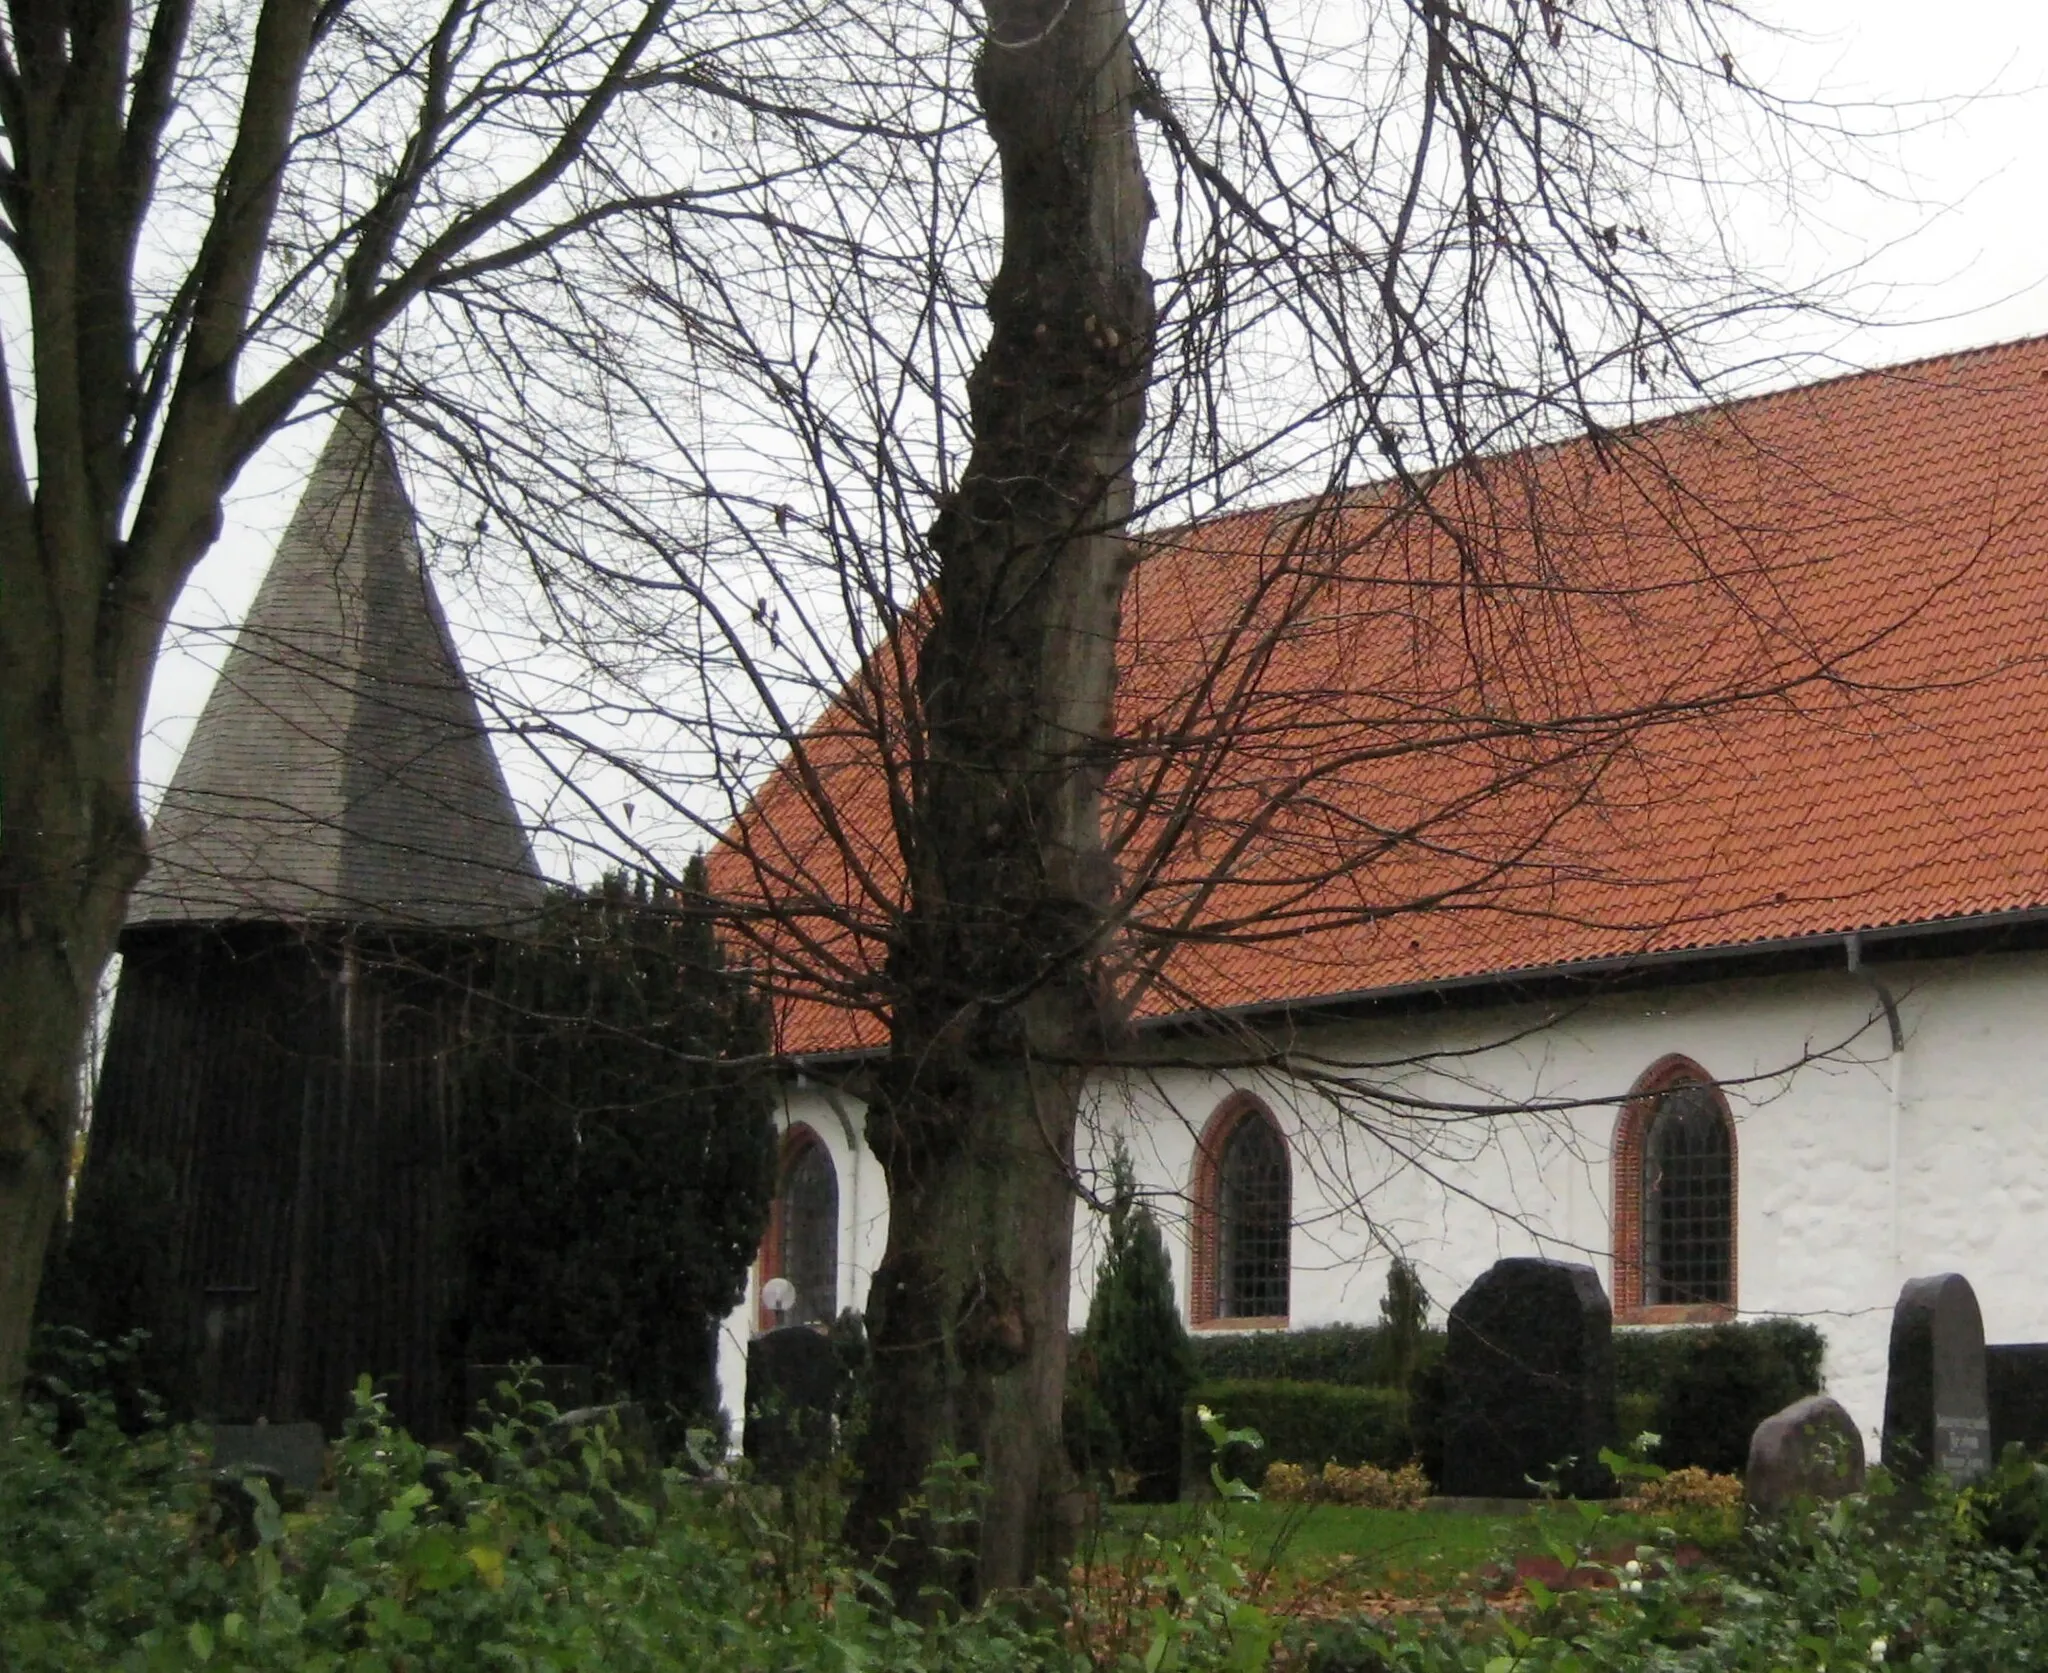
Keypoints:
pixel 339 771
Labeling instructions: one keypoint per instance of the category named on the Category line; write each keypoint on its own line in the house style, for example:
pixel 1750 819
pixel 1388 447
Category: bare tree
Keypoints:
pixel 205 211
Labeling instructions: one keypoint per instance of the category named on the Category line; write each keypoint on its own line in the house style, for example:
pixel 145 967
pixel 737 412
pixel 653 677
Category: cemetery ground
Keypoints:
pixel 115 1553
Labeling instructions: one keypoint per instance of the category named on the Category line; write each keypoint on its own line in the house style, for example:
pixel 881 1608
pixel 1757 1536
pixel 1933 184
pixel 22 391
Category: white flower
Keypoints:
pixel 1878 1646
pixel 1631 1585
pixel 1632 1568
pixel 1204 1415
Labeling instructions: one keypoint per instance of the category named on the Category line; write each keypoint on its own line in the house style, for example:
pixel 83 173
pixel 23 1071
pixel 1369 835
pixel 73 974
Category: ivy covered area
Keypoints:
pixel 544 1549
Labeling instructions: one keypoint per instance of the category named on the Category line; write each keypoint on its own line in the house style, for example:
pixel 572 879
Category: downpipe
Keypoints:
pixel 1896 1078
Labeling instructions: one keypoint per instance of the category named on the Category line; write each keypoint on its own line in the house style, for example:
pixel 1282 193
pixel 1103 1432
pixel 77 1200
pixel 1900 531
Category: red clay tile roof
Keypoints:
pixel 1765 671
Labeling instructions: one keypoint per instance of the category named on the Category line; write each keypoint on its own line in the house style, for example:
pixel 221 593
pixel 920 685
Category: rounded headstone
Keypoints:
pixel 1937 1411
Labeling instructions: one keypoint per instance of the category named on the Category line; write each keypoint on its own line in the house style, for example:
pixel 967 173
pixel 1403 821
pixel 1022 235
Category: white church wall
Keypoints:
pixel 863 1225
pixel 1807 1067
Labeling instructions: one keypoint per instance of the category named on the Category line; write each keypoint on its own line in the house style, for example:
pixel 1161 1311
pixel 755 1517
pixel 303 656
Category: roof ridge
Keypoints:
pixel 1726 406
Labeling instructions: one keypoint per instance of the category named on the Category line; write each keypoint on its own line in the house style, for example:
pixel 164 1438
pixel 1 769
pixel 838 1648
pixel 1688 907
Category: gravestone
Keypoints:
pixel 1937 1412
pixel 294 1452
pixel 1529 1382
pixel 792 1376
pixel 2016 1388
pixel 1810 1450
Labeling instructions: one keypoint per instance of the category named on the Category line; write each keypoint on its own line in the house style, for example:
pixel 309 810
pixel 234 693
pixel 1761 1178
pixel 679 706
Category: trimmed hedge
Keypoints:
pixel 1714 1384
pixel 1311 1424
pixel 1316 1394
pixel 1350 1354
pixel 1727 1381
pixel 1703 1390
pixel 1646 1359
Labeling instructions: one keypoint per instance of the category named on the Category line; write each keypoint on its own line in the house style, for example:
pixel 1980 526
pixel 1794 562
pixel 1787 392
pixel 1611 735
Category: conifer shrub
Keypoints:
pixel 617 1159
pixel 1426 1417
pixel 1404 1328
pixel 1136 1364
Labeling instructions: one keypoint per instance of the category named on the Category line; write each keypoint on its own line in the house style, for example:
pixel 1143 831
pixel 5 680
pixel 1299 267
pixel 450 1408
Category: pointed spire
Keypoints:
pixel 340 771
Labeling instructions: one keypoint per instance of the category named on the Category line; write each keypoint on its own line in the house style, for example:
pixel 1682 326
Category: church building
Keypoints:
pixel 1638 854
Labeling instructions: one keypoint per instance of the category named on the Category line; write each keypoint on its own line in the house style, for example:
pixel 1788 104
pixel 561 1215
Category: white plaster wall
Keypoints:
pixel 1806 1061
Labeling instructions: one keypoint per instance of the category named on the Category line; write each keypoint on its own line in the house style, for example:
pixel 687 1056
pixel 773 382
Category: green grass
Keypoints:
pixel 1409 1553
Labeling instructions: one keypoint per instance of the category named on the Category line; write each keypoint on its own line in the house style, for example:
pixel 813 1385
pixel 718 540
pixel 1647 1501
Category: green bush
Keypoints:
pixel 1426 1417
pixel 1311 1424
pixel 113 1557
pixel 1863 1584
pixel 1352 1354
pixel 1713 1385
pixel 1404 1328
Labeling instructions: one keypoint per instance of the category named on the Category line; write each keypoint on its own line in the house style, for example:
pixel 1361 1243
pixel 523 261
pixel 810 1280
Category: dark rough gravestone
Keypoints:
pixel 2016 1387
pixel 295 1452
pixel 792 1375
pixel 1937 1411
pixel 1810 1450
pixel 1529 1383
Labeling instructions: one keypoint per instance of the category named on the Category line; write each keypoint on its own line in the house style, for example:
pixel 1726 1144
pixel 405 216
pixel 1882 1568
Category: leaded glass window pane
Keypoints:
pixel 809 1256
pixel 1688 1201
pixel 1254 1213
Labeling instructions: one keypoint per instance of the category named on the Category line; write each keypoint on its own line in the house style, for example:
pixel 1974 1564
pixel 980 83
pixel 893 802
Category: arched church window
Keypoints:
pixel 802 1244
pixel 1675 1198
pixel 1244 1218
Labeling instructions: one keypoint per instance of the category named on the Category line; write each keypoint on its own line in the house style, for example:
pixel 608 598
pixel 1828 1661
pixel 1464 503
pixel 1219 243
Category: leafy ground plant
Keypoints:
pixel 112 1555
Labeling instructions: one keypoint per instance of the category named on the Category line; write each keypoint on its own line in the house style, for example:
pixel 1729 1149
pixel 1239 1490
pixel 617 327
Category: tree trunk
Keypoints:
pixel 70 849
pixel 997 1007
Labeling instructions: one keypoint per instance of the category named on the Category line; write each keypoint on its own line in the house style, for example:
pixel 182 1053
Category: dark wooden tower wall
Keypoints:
pixel 299 1092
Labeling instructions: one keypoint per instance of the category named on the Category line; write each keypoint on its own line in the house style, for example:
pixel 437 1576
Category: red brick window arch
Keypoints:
pixel 1674 1199
pixel 1243 1220
pixel 802 1240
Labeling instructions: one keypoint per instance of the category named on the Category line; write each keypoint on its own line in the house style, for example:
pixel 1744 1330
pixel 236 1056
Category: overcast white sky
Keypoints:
pixel 1954 242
